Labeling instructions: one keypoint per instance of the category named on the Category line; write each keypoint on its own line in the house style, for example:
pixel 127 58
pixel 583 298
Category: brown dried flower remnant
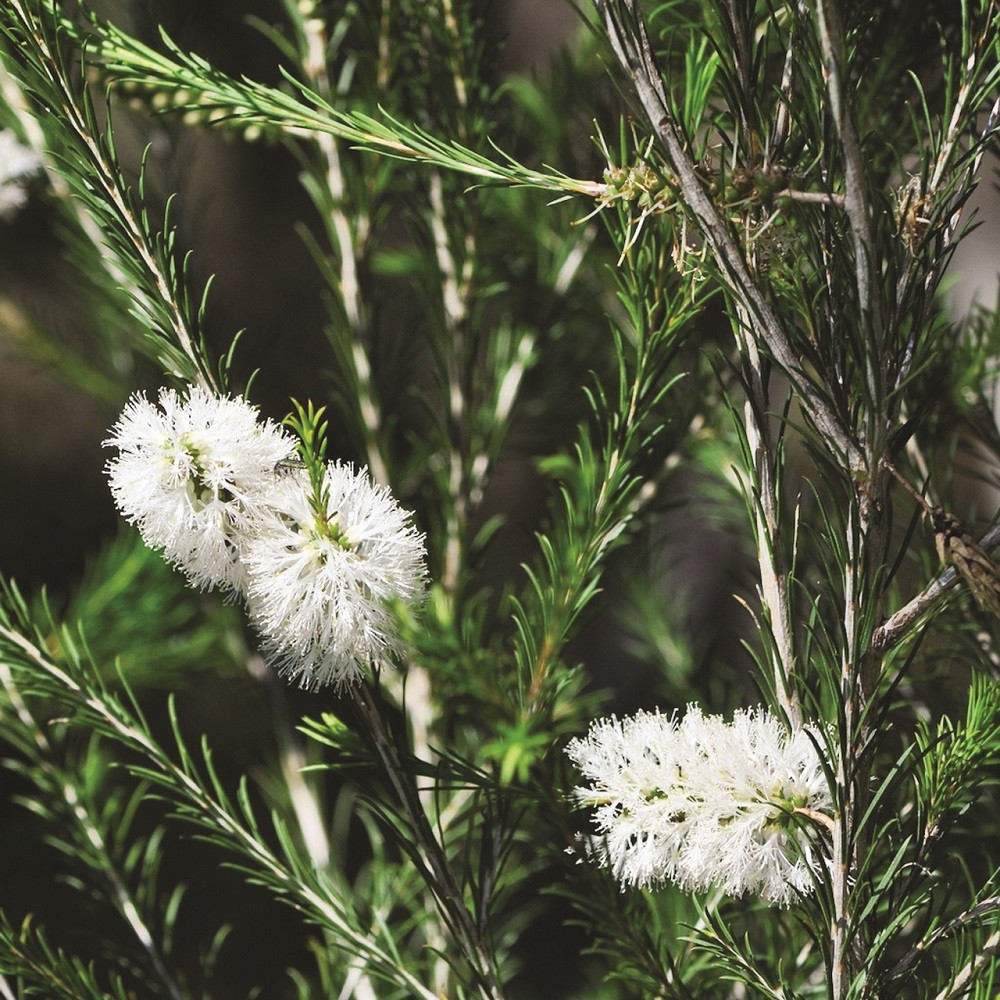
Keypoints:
pixel 956 547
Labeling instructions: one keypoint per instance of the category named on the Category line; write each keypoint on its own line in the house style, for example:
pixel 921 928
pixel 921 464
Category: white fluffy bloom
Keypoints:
pixel 320 589
pixel 702 802
pixel 17 164
pixel 191 473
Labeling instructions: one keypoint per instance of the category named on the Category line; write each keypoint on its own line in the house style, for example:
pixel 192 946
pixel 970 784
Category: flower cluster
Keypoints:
pixel 192 473
pixel 701 802
pixel 17 165
pixel 321 584
pixel 200 476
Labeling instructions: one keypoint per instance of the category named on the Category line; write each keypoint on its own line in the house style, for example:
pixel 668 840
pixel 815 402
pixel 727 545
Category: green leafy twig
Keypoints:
pixel 201 800
pixel 87 830
pixel 89 166
pixel 198 87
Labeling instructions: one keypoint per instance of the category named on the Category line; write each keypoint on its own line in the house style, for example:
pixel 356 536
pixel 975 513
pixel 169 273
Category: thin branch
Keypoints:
pixel 894 628
pixel 163 303
pixel 974 913
pixel 820 818
pixel 446 890
pixel 122 897
pixel 782 115
pixel 349 235
pixel 948 237
pixel 959 116
pixel 814 197
pixel 844 834
pixel 744 62
pixel 301 793
pixel 960 983
pixel 857 202
pixel 455 290
pixel 15 99
pixel 762 494
pixel 317 900
pixel 216 98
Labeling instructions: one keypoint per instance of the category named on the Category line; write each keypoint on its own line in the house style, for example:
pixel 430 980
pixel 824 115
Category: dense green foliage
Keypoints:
pixel 657 327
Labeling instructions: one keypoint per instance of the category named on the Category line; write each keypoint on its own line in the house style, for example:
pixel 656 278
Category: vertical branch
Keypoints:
pixel 842 865
pixel 861 668
pixel 349 237
pixel 304 802
pixel 455 249
pixel 441 881
pixel 960 115
pixel 455 288
pixel 459 74
pixel 597 509
pixel 857 201
pixel 744 60
pixel 350 248
pixel 301 794
pixel 866 529
pixel 349 234
pixel 782 114
pixel 771 561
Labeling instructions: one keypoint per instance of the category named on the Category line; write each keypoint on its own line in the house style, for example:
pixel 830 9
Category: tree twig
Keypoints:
pixel 894 628
pixel 960 983
pixel 856 198
pixel 446 890
pixel 763 499
pixel 981 909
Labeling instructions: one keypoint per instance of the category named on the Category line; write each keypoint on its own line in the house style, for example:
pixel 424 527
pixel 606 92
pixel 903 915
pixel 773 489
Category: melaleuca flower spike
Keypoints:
pixel 192 473
pixel 705 803
pixel 321 580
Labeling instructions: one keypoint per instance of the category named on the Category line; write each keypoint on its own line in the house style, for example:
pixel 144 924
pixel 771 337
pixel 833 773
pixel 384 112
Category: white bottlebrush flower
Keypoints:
pixel 704 803
pixel 17 164
pixel 191 473
pixel 320 588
